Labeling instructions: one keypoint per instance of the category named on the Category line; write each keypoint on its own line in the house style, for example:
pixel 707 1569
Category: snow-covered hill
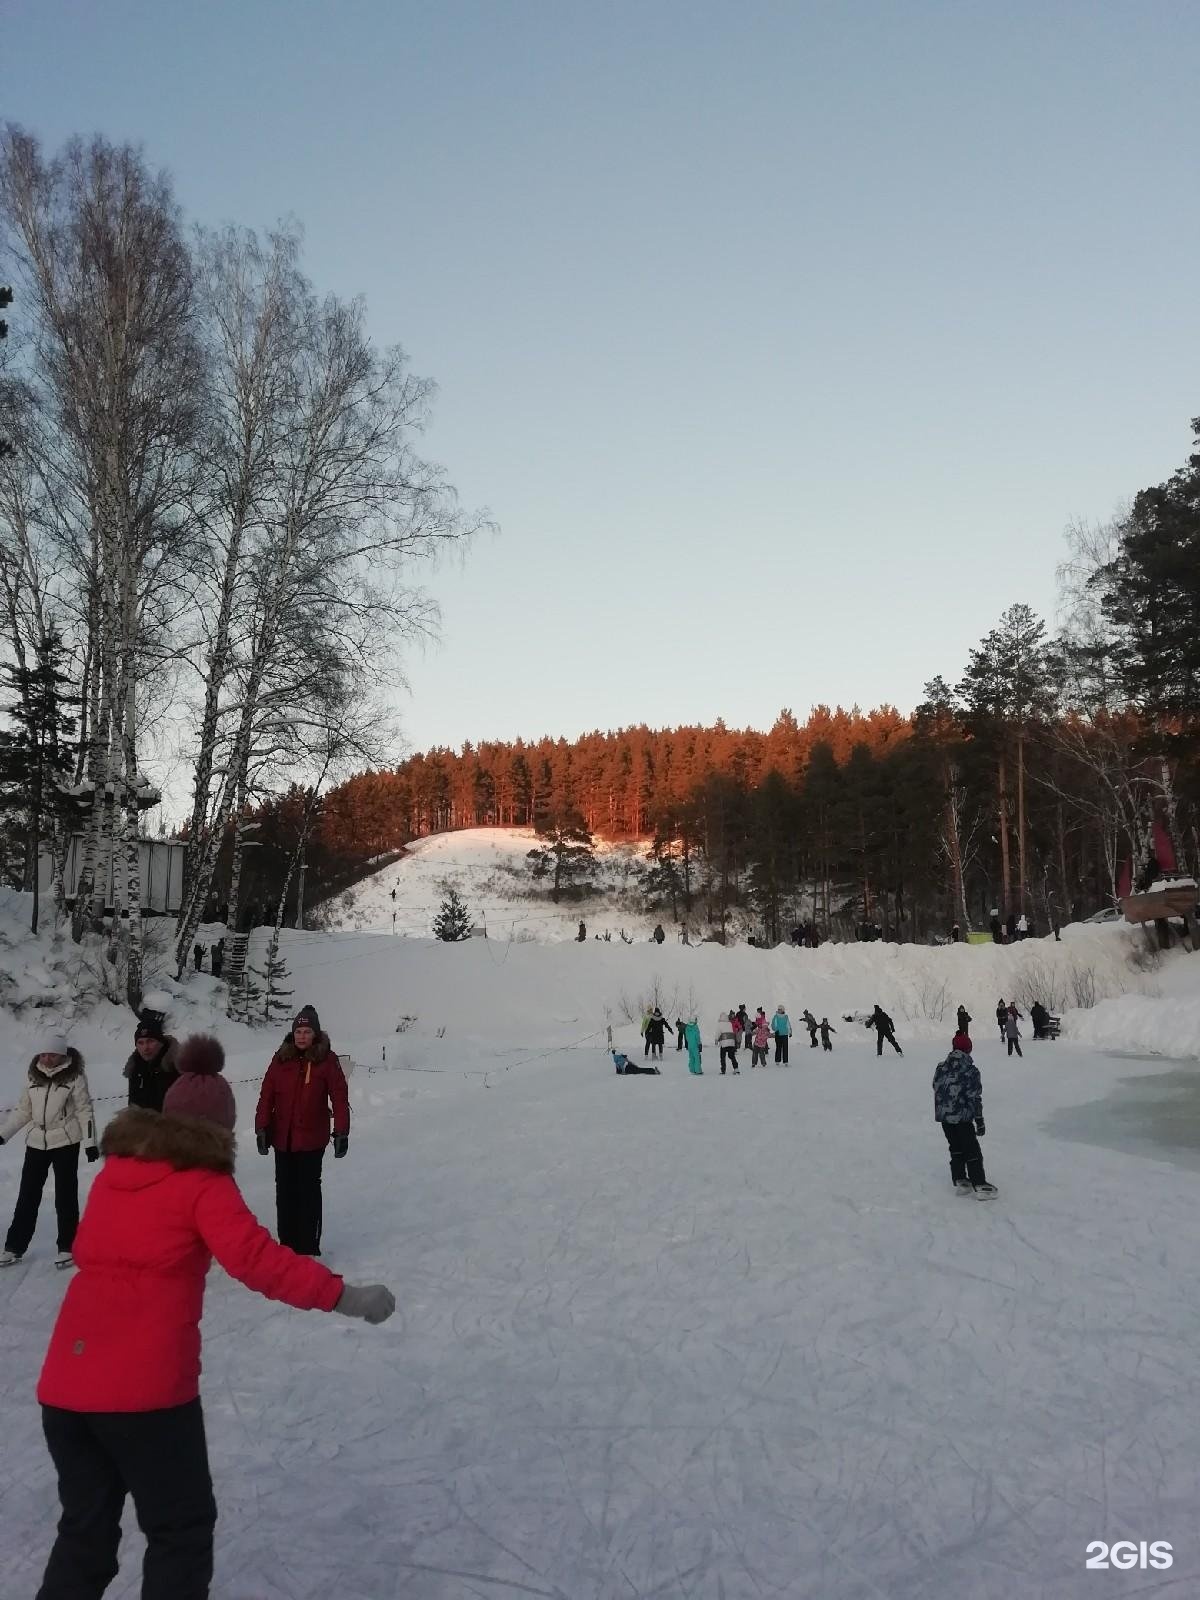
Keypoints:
pixel 489 868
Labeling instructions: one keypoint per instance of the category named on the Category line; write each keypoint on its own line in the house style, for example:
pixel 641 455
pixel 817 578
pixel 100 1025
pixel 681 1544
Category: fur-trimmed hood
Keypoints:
pixel 317 1050
pixel 74 1067
pixel 184 1143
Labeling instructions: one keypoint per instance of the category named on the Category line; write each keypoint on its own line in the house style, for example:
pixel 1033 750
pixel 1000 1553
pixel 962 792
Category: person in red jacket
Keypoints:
pixel 303 1090
pixel 120 1387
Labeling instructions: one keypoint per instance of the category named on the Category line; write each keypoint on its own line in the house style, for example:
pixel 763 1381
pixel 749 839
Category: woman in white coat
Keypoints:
pixel 56 1107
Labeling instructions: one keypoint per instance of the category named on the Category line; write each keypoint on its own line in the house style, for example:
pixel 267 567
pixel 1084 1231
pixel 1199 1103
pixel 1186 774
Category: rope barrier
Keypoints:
pixel 396 1066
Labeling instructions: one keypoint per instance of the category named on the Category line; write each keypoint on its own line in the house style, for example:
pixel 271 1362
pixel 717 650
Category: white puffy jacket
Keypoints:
pixel 56 1106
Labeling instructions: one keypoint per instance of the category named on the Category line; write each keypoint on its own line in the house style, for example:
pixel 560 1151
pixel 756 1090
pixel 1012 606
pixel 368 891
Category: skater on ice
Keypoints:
pixel 964 1020
pixel 656 1030
pixel 826 1029
pixel 810 1022
pixel 885 1028
pixel 120 1390
pixel 153 1066
pixel 1012 1032
pixel 1002 1017
pixel 56 1107
pixel 760 1033
pixel 303 1092
pixel 781 1027
pixel 727 1041
pixel 695 1046
pixel 958 1106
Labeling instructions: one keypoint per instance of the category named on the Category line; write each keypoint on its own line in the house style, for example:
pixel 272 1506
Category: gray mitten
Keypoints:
pixel 370 1301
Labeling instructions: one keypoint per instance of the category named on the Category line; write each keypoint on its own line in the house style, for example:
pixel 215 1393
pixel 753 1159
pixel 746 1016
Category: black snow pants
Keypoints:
pixel 781 1044
pixel 880 1036
pixel 159 1458
pixel 298 1200
pixel 64 1163
pixel 728 1052
pixel 1014 1044
pixel 966 1158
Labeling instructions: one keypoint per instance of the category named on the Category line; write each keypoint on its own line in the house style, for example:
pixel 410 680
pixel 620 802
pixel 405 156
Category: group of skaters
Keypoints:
pixel 119 1388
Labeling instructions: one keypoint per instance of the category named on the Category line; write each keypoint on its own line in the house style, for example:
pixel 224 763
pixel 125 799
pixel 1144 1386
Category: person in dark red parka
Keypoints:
pixel 120 1388
pixel 303 1090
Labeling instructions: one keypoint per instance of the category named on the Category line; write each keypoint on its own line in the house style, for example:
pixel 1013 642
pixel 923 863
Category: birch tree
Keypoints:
pixel 114 361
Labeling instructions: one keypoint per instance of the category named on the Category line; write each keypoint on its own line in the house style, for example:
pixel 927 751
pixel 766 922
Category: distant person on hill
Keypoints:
pixel 153 1066
pixel 781 1027
pixel 958 1106
pixel 656 1030
pixel 964 1020
pixel 658 934
pixel 760 1035
pixel 695 1046
pixel 810 1022
pixel 303 1092
pixel 826 1029
pixel 727 1042
pixel 679 1027
pixel 885 1028
pixel 582 934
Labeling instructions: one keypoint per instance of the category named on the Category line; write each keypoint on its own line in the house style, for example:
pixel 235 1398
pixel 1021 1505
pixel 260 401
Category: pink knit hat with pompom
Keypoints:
pixel 200 1089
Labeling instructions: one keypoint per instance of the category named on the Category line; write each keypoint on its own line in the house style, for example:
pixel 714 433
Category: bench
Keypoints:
pixel 1051 1029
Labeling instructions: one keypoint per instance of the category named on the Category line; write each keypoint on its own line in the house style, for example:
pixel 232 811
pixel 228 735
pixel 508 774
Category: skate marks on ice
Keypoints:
pixel 698 1347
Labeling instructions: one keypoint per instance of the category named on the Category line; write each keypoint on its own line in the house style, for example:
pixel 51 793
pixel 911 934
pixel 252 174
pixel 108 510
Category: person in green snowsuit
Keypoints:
pixel 691 1034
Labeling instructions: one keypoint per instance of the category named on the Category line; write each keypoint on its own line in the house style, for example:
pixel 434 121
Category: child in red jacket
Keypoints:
pixel 304 1089
pixel 120 1388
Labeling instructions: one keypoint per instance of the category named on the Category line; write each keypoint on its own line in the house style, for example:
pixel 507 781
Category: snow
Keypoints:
pixel 693 1337
pixel 489 868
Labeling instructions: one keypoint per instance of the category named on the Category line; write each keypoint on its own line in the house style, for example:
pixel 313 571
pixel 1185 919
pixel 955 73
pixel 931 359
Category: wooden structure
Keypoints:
pixel 1172 898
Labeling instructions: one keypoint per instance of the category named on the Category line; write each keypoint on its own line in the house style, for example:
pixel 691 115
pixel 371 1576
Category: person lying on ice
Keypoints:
pixel 958 1106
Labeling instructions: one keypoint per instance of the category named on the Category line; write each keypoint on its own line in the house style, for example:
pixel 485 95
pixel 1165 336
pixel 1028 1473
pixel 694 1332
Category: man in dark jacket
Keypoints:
pixel 153 1066
pixel 885 1028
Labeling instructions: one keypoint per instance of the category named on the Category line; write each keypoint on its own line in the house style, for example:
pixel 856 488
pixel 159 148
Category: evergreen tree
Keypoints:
pixel 1151 594
pixel 567 851
pixel 35 758
pixel 276 996
pixel 453 921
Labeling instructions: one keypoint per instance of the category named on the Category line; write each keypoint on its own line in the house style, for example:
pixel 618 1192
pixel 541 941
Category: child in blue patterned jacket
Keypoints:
pixel 958 1106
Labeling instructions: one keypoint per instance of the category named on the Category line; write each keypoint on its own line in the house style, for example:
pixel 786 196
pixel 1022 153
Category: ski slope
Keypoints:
pixel 708 1337
pixel 490 869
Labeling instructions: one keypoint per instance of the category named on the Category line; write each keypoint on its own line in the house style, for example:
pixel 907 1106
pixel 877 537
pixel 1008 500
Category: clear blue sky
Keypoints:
pixel 781 340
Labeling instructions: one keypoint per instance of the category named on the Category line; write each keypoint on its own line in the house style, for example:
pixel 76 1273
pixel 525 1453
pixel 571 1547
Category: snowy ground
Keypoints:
pixel 709 1338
